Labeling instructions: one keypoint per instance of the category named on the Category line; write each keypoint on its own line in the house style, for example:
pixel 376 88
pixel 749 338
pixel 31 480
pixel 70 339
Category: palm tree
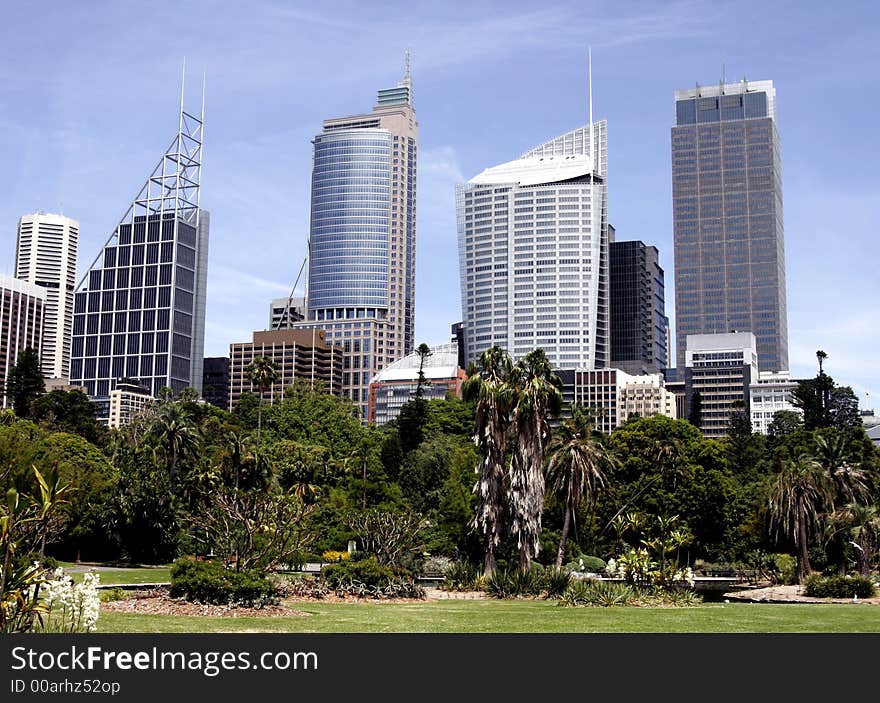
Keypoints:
pixel 488 383
pixel 174 433
pixel 262 373
pixel 799 495
pixel 575 470
pixel 860 525
pixel 848 482
pixel 538 392
pixel 820 357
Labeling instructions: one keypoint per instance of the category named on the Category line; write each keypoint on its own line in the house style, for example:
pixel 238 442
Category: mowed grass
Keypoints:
pixel 521 616
pixel 129 576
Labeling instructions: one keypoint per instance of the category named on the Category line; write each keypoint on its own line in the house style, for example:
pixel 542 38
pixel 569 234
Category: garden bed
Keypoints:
pixel 158 602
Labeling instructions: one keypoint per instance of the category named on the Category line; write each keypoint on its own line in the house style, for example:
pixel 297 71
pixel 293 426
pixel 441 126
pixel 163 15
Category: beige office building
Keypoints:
pixel 298 354
pixel 21 324
pixel 46 256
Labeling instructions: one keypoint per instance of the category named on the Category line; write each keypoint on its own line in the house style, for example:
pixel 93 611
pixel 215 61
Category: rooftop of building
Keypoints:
pixel 562 158
pixel 19 286
pixel 721 341
pixel 442 363
pixel 716 89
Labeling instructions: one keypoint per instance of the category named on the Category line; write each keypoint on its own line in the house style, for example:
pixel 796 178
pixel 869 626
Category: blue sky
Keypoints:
pixel 89 91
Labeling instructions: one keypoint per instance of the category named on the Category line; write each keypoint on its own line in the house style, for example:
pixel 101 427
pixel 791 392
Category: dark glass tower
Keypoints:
pixel 139 312
pixel 727 218
pixel 638 309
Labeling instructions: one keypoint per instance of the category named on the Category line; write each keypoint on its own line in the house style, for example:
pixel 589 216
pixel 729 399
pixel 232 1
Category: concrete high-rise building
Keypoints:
pixel 362 246
pixel 127 399
pixel 533 253
pixel 45 255
pixel 772 393
pixel 139 312
pixel 639 325
pixel 21 324
pixel 727 217
pixel 719 370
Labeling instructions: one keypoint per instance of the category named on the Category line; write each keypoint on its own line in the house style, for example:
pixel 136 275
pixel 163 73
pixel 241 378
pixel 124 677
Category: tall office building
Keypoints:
pixel 284 312
pixel 639 325
pixel 139 312
pixel 727 218
pixel 362 245
pixel 21 324
pixel 45 255
pixel 533 253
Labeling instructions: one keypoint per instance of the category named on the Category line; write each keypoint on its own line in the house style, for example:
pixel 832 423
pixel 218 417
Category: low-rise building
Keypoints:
pixel 127 399
pixel 771 393
pixel 617 396
pixel 719 370
pixel 397 383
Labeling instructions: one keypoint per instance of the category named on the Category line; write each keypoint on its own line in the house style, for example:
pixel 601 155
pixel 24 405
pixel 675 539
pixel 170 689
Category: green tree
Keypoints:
pixel 538 394
pixel 576 470
pixel 413 414
pixel 262 373
pixel 247 410
pixel 69 411
pixel 488 384
pixel 24 382
pixel 783 424
pixel 175 436
pixel 798 497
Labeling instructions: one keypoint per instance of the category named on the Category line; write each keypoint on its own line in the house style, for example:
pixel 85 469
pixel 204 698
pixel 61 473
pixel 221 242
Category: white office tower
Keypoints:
pixel 46 256
pixel 533 253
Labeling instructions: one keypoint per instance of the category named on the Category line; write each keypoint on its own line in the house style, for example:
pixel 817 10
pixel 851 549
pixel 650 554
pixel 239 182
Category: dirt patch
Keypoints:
pixel 791 594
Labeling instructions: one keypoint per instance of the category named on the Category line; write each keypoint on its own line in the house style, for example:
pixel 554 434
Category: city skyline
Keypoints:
pixel 638 50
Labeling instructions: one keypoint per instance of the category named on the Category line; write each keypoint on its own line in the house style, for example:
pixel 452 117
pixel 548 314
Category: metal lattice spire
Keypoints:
pixel 173 188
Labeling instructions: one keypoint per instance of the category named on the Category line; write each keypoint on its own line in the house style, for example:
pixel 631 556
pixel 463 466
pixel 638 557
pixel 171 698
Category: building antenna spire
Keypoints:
pixel 182 85
pixel 590 91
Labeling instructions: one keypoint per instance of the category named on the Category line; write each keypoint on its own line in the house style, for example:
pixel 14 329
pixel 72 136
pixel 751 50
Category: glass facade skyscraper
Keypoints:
pixel 727 218
pixel 362 242
pixel 533 241
pixel 638 309
pixel 139 312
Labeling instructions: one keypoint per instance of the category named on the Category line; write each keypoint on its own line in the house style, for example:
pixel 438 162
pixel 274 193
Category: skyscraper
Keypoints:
pixel 46 256
pixel 139 312
pixel 362 244
pixel 727 218
pixel 533 253
pixel 21 324
pixel 639 324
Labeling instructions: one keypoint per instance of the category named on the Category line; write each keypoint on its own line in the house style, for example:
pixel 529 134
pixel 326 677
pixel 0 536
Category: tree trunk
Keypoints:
pixel 803 567
pixel 566 524
pixel 489 563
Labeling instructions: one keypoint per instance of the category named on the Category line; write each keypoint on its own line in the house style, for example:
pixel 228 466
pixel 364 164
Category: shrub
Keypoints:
pixel 587 592
pixel 366 571
pixel 512 583
pixel 111 594
pixel 462 576
pixel 211 582
pixel 331 556
pixel 818 586
pixel 556 583
pixel 784 568
pixel 593 565
pixel 436 565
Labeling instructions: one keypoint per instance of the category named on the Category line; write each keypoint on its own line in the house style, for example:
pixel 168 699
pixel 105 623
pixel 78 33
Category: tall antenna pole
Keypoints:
pixel 590 90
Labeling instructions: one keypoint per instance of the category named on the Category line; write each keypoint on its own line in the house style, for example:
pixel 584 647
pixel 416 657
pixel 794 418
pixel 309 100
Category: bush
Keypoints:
pixel 516 582
pixel 556 583
pixel 331 556
pixel 367 571
pixel 784 568
pixel 585 592
pixel 462 576
pixel 818 586
pixel 211 582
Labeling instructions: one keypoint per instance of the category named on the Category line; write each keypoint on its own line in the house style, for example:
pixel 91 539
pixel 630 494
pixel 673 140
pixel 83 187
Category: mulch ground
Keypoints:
pixel 791 594
pixel 158 602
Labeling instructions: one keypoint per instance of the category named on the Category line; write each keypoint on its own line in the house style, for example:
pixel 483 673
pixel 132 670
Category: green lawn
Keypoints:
pixel 522 616
pixel 125 575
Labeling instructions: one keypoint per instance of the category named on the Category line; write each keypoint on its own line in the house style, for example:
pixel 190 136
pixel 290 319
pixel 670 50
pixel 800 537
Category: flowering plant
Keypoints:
pixel 69 606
